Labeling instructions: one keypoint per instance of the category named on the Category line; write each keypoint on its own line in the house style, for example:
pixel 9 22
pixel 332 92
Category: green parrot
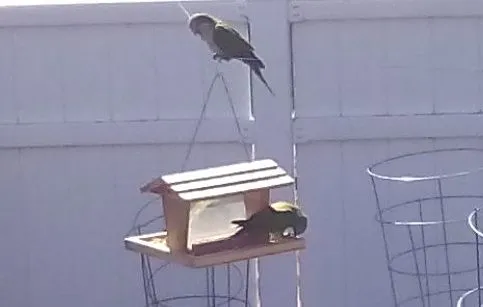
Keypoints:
pixel 275 219
pixel 226 43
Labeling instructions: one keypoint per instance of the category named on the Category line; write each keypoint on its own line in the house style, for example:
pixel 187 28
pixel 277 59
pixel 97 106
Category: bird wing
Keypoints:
pixel 230 41
pixel 282 206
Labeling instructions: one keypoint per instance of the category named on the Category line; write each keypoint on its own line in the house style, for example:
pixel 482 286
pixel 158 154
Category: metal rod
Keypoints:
pixel 386 246
pixel 207 277
pixel 423 237
pixel 146 288
pixel 445 236
pixel 154 297
pixel 228 283
pixel 416 265
pixel 478 259
pixel 143 274
pixel 247 282
pixel 213 289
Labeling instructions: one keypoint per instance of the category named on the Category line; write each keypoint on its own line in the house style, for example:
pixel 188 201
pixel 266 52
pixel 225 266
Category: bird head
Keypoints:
pixel 300 225
pixel 199 21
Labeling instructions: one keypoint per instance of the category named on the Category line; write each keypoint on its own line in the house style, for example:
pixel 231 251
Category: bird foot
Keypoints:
pixel 289 232
pixel 275 237
pixel 217 57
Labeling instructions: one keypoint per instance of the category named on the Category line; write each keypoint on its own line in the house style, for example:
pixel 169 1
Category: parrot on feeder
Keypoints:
pixel 279 219
pixel 226 43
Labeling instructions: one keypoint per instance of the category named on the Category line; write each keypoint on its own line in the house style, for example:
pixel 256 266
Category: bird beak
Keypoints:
pixel 193 30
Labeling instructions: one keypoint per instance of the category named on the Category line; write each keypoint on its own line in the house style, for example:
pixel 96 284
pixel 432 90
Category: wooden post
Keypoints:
pixel 176 215
pixel 270 35
pixel 256 200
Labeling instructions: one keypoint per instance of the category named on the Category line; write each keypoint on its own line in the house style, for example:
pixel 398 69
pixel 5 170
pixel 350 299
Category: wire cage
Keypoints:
pixel 230 290
pixel 422 202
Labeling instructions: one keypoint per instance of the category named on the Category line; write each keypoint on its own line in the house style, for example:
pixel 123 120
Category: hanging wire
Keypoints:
pixel 192 143
pixel 237 122
pixel 147 272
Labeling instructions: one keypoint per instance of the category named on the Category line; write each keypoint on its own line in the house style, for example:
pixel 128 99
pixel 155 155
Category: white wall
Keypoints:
pixel 98 99
pixel 375 80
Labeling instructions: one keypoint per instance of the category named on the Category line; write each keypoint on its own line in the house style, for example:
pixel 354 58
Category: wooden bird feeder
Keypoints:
pixel 199 206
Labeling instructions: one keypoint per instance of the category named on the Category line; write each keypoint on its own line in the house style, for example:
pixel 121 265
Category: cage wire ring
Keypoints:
pixel 473 225
pixel 419 202
pixel 371 169
pixel 466 295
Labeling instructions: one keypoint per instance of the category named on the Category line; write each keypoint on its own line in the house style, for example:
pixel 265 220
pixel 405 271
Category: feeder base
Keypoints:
pixel 154 245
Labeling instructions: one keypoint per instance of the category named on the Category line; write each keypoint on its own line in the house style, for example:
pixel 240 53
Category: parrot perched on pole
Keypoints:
pixel 226 43
pixel 275 219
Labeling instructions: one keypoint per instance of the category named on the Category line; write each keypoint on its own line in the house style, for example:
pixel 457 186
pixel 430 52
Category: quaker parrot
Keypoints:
pixel 275 220
pixel 226 43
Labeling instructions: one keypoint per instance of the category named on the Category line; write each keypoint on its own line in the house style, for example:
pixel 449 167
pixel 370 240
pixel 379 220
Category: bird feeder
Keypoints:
pixel 198 209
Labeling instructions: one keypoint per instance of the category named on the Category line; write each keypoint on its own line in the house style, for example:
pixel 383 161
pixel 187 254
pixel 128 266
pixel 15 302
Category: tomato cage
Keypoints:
pixel 422 201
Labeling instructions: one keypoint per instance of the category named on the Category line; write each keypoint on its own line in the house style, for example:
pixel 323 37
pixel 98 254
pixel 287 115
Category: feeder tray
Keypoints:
pixel 155 245
pixel 199 206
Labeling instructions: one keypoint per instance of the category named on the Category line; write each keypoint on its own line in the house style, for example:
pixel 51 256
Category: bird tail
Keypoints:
pixel 243 229
pixel 241 223
pixel 257 65
pixel 301 225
